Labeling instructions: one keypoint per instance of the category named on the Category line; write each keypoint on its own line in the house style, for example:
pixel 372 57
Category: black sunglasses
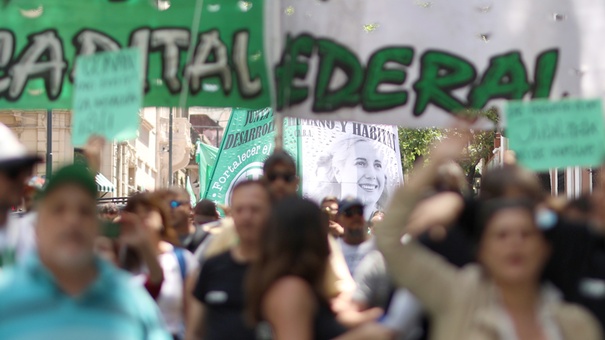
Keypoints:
pixel 353 211
pixel 287 177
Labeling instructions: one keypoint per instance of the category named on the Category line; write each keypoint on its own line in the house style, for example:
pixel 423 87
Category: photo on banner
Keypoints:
pixel 349 159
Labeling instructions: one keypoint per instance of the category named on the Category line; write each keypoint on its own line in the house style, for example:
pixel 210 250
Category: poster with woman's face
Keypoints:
pixel 349 159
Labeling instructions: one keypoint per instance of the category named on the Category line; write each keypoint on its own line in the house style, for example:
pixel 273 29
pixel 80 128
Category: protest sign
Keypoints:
pixel 416 63
pixel 107 96
pixel 248 140
pixel 349 159
pixel 333 158
pixel 547 134
pixel 39 47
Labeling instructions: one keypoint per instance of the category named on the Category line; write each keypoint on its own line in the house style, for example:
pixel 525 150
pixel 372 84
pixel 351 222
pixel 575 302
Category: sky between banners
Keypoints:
pixel 410 63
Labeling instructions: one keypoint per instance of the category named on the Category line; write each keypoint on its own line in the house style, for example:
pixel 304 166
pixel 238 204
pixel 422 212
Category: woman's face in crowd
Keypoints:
pixel 363 173
pixel 512 248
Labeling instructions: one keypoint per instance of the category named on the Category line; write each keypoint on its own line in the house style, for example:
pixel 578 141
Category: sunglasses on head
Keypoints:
pixel 353 211
pixel 287 177
pixel 175 204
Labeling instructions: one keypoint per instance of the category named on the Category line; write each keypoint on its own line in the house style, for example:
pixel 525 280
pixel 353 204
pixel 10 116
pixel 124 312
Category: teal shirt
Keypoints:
pixel 33 307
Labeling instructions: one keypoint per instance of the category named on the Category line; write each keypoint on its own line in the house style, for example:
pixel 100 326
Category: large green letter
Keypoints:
pixel 290 68
pixel 506 77
pixel 333 56
pixel 377 74
pixel 546 69
pixel 440 74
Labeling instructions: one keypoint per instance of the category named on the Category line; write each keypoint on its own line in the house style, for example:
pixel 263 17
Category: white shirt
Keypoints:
pixel 17 238
pixel 171 297
pixel 353 254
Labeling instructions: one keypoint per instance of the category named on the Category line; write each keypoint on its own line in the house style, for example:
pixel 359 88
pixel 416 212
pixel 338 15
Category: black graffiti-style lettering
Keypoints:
pixel 240 138
pixel 203 66
pixel 253 116
pixel 248 87
pixel 291 68
pixel 41 58
pixel 372 99
pixel 506 77
pixel 334 56
pixel 440 74
pixel 376 133
pixel 171 42
pixel 545 71
pixel 89 42
pixel 7 48
pixel 140 39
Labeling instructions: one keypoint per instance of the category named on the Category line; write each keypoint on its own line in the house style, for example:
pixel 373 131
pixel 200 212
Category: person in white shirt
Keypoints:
pixel 355 242
pixel 16 166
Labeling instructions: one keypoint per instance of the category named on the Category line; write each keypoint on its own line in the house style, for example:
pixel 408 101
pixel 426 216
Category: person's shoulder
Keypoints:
pixel 289 290
pixel 573 317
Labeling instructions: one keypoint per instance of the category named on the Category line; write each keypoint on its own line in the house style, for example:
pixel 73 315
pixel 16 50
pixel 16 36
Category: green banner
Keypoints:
pixel 39 41
pixel 249 139
pixel 205 157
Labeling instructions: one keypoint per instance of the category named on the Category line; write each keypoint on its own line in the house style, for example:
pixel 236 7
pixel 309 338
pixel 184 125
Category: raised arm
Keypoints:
pixel 425 274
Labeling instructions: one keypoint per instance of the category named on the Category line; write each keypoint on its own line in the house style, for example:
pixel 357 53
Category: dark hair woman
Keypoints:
pixel 285 286
pixel 177 264
pixel 503 296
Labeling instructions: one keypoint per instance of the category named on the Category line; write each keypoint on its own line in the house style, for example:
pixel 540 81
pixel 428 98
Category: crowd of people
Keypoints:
pixel 437 263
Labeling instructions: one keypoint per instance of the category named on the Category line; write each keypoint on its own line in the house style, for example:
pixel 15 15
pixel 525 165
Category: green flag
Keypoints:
pixel 205 157
pixel 248 140
pixel 41 39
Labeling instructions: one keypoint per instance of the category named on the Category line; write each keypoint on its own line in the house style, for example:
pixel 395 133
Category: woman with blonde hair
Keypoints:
pixel 353 167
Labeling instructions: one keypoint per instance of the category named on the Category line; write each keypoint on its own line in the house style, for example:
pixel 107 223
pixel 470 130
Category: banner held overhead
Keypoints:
pixel 417 63
pixel 39 47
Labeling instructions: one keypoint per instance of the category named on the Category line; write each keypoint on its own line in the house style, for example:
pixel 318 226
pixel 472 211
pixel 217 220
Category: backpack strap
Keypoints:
pixel 180 256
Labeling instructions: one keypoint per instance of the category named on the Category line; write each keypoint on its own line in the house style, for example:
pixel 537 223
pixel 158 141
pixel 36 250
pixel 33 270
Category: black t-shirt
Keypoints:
pixel 326 326
pixel 577 265
pixel 220 288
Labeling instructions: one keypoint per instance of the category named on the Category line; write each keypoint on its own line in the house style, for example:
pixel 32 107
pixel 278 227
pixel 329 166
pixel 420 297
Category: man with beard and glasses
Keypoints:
pixel 356 242
pixel 63 291
pixel 16 166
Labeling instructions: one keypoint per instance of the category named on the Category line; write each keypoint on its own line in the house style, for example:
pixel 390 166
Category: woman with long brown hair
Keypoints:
pixel 285 287
pixel 177 264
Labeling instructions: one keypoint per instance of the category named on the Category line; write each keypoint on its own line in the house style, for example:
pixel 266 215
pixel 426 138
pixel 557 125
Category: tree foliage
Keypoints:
pixel 415 144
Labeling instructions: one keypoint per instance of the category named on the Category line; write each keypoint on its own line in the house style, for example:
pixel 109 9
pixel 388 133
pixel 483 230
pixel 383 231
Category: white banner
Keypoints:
pixel 417 62
pixel 345 159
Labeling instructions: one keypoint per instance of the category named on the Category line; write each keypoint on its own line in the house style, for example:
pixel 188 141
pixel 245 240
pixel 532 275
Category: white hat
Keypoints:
pixel 12 152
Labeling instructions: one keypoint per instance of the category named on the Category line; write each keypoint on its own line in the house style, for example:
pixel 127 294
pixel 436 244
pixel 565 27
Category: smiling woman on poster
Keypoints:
pixel 353 167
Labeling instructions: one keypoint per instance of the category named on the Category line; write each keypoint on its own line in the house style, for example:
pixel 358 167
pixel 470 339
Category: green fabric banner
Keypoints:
pixel 39 42
pixel 205 157
pixel 249 139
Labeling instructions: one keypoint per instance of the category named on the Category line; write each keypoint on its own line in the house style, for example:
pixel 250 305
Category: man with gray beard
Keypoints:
pixel 63 291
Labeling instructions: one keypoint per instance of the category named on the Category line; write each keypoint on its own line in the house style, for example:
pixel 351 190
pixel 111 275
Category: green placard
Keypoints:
pixel 248 140
pixel 40 40
pixel 553 134
pixel 108 96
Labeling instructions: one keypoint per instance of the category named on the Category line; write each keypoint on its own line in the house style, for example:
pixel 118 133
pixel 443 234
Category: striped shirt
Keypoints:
pixel 33 307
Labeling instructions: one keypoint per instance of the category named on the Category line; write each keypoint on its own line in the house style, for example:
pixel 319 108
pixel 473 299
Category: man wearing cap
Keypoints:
pixel 63 291
pixel 16 166
pixel 356 242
